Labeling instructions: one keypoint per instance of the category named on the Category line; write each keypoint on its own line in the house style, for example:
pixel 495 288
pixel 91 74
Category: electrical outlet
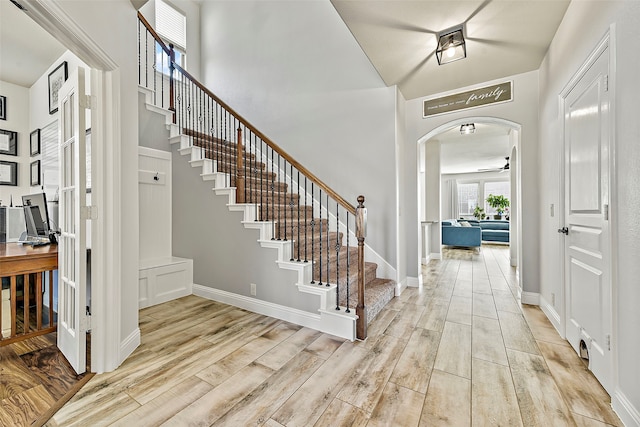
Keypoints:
pixel 253 289
pixel 553 299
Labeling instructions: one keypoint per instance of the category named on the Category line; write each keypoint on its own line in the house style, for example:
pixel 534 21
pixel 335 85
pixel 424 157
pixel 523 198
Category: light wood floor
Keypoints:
pixel 460 351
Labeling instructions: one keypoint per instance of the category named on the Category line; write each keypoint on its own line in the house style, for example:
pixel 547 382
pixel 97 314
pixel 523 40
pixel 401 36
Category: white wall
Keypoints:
pixel 17 121
pixel 584 25
pixel 522 110
pixel 98 19
pixel 293 69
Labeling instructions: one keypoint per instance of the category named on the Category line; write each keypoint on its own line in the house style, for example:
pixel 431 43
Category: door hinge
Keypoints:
pixel 606 212
pixel 608 341
pixel 606 82
pixel 85 323
pixel 88 213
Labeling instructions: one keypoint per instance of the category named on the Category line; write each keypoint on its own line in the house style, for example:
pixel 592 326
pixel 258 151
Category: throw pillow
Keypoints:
pixel 464 224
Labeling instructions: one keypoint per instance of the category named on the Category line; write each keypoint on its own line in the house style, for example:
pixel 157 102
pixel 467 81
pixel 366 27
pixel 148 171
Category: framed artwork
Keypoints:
pixel 56 78
pixel 34 142
pixel 35 173
pixel 8 173
pixel 8 142
pixel 3 107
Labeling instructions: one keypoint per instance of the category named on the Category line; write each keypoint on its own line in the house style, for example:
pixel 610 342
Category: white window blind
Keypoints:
pixel 171 24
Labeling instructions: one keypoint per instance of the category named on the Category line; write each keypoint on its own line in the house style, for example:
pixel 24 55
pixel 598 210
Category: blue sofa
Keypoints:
pixel 454 234
pixel 493 230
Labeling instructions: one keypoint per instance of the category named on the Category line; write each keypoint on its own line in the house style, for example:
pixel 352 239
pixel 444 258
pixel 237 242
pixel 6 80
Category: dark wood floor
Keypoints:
pixel 35 380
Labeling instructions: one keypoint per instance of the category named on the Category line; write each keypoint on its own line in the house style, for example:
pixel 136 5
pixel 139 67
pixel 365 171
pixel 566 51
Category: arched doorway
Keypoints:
pixel 429 188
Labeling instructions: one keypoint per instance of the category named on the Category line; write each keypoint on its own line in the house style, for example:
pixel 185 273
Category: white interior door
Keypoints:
pixel 72 252
pixel 587 241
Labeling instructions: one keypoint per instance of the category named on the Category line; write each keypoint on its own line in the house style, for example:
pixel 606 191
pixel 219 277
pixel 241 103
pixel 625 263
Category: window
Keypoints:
pixel 496 188
pixel 467 198
pixel 171 25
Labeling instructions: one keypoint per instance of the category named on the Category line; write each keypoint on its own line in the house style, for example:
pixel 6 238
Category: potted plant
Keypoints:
pixel 478 213
pixel 499 203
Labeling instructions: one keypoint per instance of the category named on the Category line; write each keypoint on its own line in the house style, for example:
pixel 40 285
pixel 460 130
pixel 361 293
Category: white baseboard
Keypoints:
pixel 435 255
pixel 129 345
pixel 426 260
pixel 629 414
pixel 413 282
pixel 531 298
pixel 335 323
pixel 552 314
pixel 400 287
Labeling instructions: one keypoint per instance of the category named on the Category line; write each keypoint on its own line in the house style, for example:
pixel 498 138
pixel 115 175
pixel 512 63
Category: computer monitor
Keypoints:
pixel 36 215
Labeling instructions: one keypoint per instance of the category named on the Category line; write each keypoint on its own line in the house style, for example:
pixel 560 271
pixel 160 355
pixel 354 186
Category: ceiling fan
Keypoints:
pixel 501 169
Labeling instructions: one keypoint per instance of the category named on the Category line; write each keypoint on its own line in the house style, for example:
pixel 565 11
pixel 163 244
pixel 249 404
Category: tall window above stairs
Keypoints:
pixel 171 25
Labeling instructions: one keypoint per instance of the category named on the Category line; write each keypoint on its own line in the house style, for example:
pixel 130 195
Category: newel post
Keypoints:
pixel 361 233
pixel 172 60
pixel 239 169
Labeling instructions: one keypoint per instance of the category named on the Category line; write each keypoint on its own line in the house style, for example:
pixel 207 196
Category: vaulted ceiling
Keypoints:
pixel 503 37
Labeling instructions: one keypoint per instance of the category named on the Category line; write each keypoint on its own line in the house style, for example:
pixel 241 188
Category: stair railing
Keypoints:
pixel 263 174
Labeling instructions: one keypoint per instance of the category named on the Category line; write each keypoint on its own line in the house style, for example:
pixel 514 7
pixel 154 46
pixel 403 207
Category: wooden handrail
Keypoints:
pixel 344 203
pixel 153 33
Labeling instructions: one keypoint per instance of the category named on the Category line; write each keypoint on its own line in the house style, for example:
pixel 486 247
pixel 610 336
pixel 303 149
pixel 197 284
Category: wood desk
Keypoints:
pixel 17 260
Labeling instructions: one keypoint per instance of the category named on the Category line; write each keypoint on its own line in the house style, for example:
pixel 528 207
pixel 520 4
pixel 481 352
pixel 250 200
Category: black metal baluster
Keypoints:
pixel 190 111
pixel 261 177
pixel 313 226
pixel 306 231
pixel 273 206
pixel 279 207
pixel 320 266
pixel 226 146
pixel 290 193
pixel 162 77
pixel 155 67
pixel 337 256
pixel 211 127
pixel 299 225
pixel 328 248
pixel 348 262
pixel 146 60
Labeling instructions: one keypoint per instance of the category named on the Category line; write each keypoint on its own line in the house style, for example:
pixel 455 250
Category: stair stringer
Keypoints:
pixel 328 319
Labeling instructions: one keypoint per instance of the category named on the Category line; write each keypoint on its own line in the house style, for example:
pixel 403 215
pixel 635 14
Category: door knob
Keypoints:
pixel 563 230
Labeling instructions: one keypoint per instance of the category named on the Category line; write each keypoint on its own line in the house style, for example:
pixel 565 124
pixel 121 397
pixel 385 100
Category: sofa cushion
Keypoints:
pixel 494 225
pixel 456 235
pixel 495 235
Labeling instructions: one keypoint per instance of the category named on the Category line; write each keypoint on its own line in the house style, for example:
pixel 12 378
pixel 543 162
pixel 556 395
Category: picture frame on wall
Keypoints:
pixel 8 142
pixel 8 173
pixel 34 142
pixel 56 79
pixel 35 173
pixel 3 107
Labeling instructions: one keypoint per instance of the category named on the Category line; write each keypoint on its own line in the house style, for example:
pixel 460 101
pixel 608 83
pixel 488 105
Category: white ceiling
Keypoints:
pixel 484 149
pixel 503 37
pixel 26 50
